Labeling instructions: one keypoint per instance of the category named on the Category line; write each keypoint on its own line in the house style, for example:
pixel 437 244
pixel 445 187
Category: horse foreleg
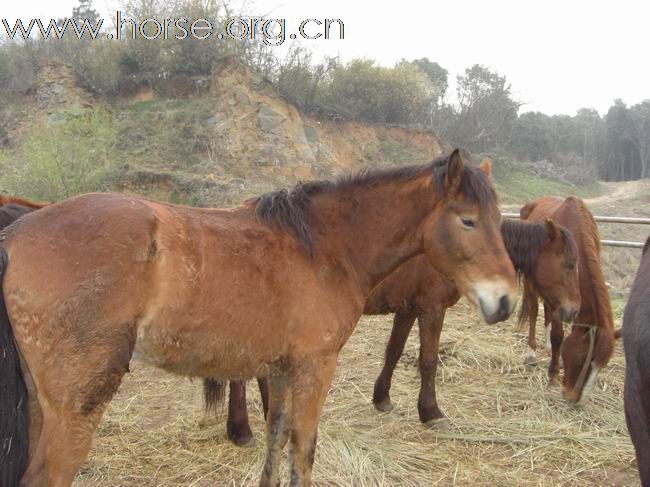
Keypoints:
pixel 311 383
pixel 557 336
pixel 530 302
pixel 239 431
pixel 278 421
pixel 430 326
pixel 547 328
pixel 402 325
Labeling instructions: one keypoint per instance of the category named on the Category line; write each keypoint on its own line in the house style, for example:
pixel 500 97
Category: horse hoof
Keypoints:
pixel 530 361
pixel 385 406
pixel 244 442
pixel 442 424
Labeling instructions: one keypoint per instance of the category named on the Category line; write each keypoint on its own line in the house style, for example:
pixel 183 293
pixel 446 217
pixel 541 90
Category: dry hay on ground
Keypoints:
pixel 507 426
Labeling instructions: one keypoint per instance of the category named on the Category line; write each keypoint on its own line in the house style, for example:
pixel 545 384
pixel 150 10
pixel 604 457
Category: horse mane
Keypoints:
pixel 590 239
pixel 16 200
pixel 289 210
pixel 12 212
pixel 524 242
pixel 603 316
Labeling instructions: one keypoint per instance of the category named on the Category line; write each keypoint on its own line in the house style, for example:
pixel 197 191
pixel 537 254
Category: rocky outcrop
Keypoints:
pixel 256 127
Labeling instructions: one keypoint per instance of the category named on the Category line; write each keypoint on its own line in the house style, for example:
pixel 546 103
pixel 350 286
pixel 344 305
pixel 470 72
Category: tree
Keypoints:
pixel 641 132
pixel 486 111
pixel 85 10
pixel 621 158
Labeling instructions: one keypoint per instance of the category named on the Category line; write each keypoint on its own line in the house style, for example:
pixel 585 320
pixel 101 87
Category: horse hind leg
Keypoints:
pixel 557 336
pixel 238 428
pixel 402 324
pixel 73 390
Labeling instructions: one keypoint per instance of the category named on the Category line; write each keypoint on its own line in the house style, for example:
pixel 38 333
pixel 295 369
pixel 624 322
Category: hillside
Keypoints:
pixel 200 140
pixel 235 139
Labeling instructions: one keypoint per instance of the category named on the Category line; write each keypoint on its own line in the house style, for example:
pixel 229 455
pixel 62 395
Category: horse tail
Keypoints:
pixel 13 398
pixel 214 392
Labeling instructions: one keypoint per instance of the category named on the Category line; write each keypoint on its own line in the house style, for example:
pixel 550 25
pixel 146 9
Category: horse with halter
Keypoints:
pixel 590 344
pixel 273 287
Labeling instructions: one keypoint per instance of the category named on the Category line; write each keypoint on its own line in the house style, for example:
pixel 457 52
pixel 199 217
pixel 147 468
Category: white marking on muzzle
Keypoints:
pixel 589 385
pixel 487 295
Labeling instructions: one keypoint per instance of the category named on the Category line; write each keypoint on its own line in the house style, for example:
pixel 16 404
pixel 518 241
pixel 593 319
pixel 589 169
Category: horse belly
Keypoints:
pixel 196 352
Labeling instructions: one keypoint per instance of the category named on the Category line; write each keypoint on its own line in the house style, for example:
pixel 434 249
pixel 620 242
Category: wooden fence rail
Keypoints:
pixel 608 219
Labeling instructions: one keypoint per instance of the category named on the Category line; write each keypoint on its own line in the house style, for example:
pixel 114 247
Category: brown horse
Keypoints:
pixel 15 200
pixel 636 341
pixel 590 344
pixel 542 252
pixel 274 287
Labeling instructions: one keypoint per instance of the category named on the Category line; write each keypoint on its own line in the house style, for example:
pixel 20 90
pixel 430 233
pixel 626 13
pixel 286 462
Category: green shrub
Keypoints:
pixel 65 158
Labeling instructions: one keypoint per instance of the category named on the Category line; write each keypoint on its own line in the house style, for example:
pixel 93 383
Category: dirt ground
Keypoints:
pixel 507 426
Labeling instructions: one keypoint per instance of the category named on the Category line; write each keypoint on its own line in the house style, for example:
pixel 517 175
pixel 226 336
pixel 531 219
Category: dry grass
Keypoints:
pixel 507 426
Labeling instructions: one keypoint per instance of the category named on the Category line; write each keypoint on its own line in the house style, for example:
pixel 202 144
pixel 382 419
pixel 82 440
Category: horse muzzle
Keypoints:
pixel 495 301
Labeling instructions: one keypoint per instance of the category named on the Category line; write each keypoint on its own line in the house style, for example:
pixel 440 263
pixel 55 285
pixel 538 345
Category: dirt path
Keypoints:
pixel 617 192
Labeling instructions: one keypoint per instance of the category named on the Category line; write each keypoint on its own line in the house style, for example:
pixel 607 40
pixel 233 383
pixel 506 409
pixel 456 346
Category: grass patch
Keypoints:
pixel 517 184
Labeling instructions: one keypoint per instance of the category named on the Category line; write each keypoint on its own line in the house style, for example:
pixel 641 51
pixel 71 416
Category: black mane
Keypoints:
pixel 12 212
pixel 289 209
pixel 524 241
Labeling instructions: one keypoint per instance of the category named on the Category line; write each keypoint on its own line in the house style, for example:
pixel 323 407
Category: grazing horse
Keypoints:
pixel 636 341
pixel 590 344
pixel 542 252
pixel 273 287
pixel 8 200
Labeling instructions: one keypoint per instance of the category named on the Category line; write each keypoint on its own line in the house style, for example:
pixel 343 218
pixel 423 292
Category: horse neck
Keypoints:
pixel 374 229
pixel 592 274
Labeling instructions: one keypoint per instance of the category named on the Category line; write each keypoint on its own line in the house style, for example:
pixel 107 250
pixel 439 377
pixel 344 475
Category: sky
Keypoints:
pixel 558 56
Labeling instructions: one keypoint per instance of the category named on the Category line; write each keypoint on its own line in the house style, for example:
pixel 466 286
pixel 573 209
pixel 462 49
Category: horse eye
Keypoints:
pixel 468 223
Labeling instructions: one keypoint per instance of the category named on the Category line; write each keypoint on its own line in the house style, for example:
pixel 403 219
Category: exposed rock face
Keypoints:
pixel 57 89
pixel 256 139
pixel 255 126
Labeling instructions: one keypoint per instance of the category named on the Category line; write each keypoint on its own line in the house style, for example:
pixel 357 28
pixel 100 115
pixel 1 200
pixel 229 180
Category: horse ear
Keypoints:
pixel 486 167
pixel 455 170
pixel 552 229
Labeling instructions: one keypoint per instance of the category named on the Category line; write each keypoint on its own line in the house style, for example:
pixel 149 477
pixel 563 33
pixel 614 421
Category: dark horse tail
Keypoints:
pixel 13 398
pixel 214 392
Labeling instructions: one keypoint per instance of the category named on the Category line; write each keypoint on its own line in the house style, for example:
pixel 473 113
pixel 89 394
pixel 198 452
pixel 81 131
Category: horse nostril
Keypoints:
pixel 504 306
pixel 574 315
